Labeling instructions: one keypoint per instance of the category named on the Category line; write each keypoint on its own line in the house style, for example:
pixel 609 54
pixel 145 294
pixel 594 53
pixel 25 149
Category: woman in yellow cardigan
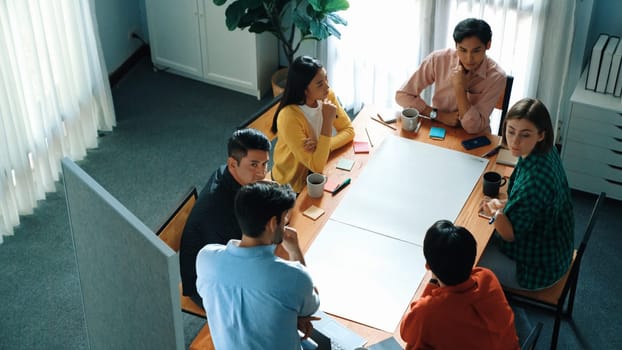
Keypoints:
pixel 304 123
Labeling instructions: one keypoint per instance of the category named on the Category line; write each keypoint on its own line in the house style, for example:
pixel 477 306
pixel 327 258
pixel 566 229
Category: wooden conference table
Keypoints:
pixel 309 229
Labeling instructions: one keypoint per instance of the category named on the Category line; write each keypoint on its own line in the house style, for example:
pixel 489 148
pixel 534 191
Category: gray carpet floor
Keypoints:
pixel 171 133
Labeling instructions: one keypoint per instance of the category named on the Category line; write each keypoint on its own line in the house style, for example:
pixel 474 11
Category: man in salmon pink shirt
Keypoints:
pixel 467 83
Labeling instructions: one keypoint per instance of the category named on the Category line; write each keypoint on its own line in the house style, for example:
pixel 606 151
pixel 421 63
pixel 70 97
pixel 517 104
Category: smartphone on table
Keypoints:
pixel 476 142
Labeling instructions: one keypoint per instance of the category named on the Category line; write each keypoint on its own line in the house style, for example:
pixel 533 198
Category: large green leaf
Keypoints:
pixel 327 6
pixel 287 15
pixel 332 30
pixel 233 13
pixel 254 15
pixel 302 21
pixel 252 4
pixel 260 27
pixel 337 19
pixel 318 30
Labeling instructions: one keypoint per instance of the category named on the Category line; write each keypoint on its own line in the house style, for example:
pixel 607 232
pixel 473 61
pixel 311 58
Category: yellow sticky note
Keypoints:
pixel 313 212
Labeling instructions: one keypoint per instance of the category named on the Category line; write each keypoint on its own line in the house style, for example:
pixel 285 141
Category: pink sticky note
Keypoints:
pixel 331 185
pixel 361 147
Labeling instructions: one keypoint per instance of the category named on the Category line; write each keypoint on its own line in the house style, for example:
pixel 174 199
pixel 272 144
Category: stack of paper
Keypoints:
pixel 597 54
pixel 605 64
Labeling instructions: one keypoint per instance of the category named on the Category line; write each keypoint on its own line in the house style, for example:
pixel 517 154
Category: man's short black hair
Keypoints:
pixel 244 140
pixel 472 27
pixel 256 203
pixel 450 252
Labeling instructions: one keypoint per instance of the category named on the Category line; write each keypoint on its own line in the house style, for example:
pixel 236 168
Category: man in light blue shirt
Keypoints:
pixel 254 299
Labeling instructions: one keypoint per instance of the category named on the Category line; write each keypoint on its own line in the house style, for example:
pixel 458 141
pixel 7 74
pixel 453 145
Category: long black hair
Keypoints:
pixel 299 76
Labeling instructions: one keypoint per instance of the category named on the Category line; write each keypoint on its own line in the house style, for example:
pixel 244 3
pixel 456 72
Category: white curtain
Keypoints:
pixel 382 45
pixel 54 96
pixel 378 50
pixel 554 84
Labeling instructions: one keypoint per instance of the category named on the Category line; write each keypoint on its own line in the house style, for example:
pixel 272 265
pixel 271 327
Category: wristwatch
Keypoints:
pixel 433 114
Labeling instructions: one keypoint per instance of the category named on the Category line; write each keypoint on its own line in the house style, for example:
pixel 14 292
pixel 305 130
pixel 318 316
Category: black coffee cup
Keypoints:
pixel 491 183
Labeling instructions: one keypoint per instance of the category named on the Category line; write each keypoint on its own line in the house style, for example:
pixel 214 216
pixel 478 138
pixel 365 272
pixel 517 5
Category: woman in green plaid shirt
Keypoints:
pixel 534 240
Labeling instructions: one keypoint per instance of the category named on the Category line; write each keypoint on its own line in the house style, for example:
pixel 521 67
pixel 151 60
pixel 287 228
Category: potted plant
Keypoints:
pixel 291 21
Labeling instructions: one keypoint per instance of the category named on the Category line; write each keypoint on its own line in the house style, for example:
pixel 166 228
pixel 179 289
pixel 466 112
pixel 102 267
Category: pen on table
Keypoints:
pixel 380 117
pixel 492 152
pixel 342 186
pixel 369 138
pixel 383 123
pixel 418 126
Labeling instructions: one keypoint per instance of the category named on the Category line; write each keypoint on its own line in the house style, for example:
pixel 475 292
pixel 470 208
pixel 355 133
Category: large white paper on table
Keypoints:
pixel 407 186
pixel 363 276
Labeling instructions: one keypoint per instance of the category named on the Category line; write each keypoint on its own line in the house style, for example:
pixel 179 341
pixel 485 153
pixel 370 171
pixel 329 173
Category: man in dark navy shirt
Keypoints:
pixel 212 219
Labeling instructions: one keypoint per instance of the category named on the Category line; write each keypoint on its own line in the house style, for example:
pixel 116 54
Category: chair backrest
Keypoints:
pixel 574 271
pixel 173 227
pixel 503 103
pixel 170 232
pixel 532 338
pixel 262 119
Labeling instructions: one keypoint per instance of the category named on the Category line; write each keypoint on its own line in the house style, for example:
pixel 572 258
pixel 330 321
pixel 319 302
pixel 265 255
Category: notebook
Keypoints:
pixel 505 157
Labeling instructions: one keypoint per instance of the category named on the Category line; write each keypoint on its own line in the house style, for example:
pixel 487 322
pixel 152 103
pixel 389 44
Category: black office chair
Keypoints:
pixel 532 338
pixel 503 103
pixel 555 297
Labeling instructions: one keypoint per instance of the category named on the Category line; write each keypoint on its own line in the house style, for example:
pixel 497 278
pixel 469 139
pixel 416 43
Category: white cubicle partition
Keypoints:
pixel 128 276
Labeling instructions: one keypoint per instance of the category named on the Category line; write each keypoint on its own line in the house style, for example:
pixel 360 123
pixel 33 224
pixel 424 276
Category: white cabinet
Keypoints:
pixel 592 143
pixel 191 39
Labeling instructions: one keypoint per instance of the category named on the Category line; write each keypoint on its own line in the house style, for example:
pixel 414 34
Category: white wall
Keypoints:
pixel 115 20
pixel 606 18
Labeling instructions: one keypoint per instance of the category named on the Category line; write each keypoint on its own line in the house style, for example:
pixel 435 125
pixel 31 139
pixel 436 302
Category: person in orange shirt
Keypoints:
pixel 461 307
